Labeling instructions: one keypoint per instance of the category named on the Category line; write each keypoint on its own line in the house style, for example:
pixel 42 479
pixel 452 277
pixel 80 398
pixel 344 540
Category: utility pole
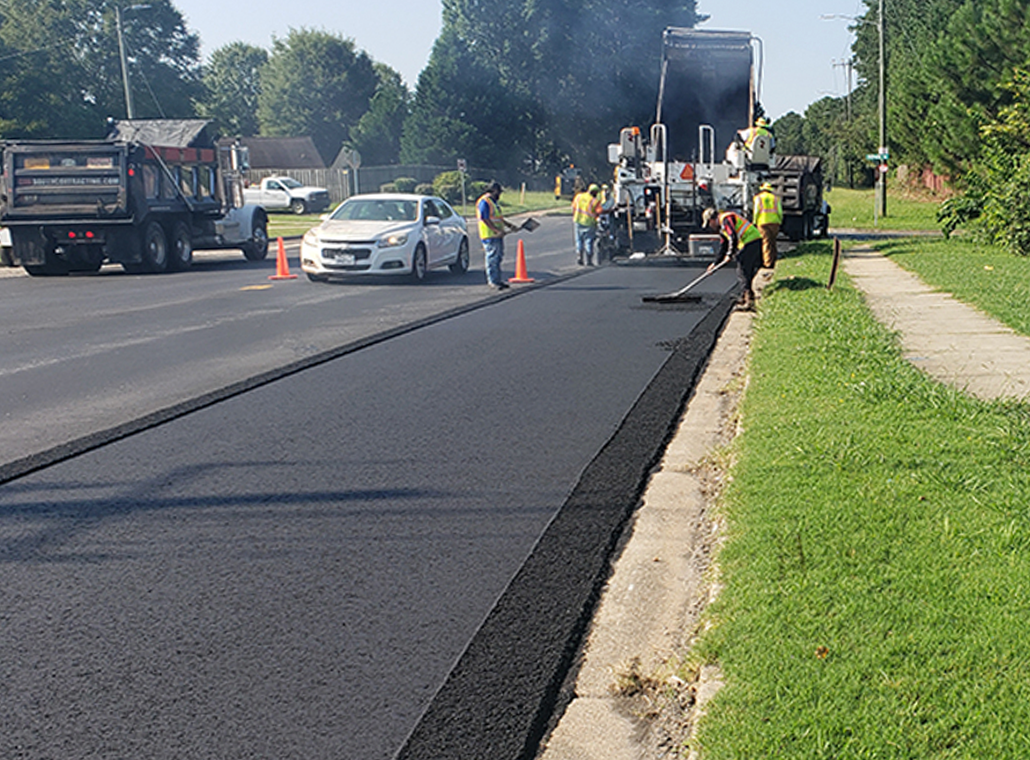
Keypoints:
pixel 848 66
pixel 881 168
pixel 129 110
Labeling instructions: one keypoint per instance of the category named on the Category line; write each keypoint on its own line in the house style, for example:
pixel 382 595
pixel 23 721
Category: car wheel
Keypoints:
pixel 298 206
pixel 182 247
pixel 419 265
pixel 256 248
pixel 155 248
pixel 461 265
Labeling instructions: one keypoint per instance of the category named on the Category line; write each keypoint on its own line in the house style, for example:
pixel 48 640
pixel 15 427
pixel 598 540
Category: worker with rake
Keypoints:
pixel 742 242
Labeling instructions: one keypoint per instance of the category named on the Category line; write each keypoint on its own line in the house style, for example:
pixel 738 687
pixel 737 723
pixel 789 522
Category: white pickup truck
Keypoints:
pixel 287 193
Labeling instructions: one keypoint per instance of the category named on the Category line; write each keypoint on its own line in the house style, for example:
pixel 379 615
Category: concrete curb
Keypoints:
pixel 663 580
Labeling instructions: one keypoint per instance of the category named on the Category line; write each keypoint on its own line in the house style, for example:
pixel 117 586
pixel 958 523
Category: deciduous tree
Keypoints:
pixel 60 74
pixel 377 135
pixel 232 84
pixel 315 84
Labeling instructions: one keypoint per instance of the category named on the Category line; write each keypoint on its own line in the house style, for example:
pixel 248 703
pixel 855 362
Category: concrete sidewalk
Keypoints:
pixel 949 340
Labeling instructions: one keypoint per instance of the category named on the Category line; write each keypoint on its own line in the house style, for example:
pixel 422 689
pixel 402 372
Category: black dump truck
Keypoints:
pixel 798 181
pixel 144 197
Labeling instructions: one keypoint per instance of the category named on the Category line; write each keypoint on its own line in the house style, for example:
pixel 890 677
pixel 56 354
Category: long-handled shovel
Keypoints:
pixel 680 296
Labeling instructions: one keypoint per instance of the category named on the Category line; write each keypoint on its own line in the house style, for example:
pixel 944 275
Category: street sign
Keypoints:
pixel 352 158
pixel 878 157
pixel 462 166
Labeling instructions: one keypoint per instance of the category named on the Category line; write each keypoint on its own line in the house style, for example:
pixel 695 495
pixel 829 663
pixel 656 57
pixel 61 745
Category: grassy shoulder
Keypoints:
pixel 877 563
pixel 853 209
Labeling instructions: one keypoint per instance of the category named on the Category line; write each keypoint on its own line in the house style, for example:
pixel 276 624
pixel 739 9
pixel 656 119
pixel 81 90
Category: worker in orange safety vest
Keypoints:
pixel 742 242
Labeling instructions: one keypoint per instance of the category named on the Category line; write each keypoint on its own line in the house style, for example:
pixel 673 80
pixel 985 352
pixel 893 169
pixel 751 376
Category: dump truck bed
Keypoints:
pixel 706 79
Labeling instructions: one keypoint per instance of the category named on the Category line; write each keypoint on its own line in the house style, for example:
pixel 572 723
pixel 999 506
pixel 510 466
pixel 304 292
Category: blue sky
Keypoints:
pixel 800 47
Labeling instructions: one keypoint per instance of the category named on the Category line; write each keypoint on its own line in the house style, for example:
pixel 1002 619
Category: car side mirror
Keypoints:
pixel 430 220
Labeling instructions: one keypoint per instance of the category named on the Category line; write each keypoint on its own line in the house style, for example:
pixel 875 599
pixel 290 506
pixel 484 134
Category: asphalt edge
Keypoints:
pixel 511 683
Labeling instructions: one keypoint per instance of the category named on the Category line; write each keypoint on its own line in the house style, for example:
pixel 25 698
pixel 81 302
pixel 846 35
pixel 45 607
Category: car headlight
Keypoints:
pixel 392 241
pixel 311 238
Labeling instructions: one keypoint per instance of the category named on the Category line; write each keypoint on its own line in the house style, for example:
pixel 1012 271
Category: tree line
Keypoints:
pixel 957 89
pixel 519 85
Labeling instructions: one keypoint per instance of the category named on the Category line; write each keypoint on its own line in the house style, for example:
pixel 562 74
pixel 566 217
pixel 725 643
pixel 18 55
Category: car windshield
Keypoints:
pixel 377 210
pixel 290 182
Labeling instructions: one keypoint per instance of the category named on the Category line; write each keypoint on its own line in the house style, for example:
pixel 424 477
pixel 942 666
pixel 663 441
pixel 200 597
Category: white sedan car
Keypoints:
pixel 386 233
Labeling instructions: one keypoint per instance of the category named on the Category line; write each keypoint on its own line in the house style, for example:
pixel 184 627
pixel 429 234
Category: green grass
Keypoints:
pixel 513 202
pixel 877 562
pixel 854 209
pixel 286 224
pixel 996 282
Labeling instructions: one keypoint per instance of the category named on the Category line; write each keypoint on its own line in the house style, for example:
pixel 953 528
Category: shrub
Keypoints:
pixel 426 188
pixel 405 184
pixel 958 211
pixel 389 187
pixel 448 186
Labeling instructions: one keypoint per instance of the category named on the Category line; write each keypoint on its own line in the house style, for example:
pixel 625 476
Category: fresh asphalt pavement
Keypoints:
pixel 296 571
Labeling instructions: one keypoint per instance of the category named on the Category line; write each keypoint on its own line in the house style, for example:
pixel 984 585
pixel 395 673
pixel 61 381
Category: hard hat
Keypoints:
pixel 708 216
pixel 766 186
pixel 593 189
pixel 761 121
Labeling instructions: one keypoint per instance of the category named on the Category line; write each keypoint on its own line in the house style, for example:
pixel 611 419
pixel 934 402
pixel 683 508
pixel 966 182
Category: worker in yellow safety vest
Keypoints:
pixel 742 242
pixel 759 142
pixel 586 209
pixel 768 217
pixel 492 228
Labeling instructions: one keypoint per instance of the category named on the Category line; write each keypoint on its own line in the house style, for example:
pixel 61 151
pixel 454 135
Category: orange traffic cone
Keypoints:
pixel 521 275
pixel 282 267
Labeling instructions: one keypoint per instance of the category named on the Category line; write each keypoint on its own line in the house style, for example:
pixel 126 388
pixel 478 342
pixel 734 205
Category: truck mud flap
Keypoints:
pixel 29 247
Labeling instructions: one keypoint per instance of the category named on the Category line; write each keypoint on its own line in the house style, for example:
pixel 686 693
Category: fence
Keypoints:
pixel 340 182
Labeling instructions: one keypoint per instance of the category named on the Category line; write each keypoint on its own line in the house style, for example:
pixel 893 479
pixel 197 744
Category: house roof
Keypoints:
pixel 283 153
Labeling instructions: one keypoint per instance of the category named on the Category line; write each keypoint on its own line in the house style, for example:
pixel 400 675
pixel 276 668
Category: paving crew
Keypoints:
pixel 768 216
pixel 492 228
pixel 586 208
pixel 742 242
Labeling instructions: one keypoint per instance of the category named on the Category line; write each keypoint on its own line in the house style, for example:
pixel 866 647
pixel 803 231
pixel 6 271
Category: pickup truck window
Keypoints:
pixel 275 186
